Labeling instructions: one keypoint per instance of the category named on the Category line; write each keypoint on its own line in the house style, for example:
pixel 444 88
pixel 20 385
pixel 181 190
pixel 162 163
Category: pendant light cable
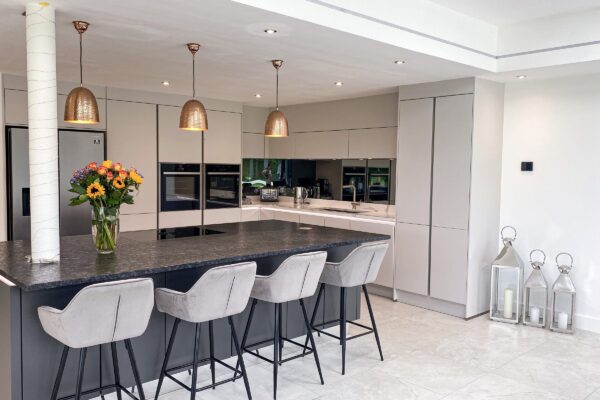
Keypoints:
pixel 194 75
pixel 277 89
pixel 81 59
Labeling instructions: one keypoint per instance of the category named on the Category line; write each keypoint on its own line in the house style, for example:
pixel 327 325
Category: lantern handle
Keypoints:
pixel 514 237
pixel 537 251
pixel 564 254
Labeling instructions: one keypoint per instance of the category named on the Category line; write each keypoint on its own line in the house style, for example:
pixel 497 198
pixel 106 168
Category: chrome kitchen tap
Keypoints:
pixel 354 203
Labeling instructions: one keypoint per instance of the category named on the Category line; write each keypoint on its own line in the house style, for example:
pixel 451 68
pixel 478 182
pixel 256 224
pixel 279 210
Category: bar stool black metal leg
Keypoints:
pixel 134 368
pixel 364 287
pixel 246 332
pixel 115 360
pixel 212 352
pixel 343 327
pixel 280 332
pixel 61 370
pixel 82 354
pixel 312 340
pixel 240 357
pixel 163 370
pixel 195 362
pixel 314 314
pixel 275 352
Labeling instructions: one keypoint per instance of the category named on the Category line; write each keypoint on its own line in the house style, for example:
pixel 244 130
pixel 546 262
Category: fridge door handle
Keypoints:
pixel 25 202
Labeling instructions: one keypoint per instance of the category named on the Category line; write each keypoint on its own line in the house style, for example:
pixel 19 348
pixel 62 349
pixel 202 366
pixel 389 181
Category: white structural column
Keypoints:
pixel 43 132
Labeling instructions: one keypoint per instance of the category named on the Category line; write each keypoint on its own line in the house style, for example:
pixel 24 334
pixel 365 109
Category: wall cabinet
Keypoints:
pixel 131 140
pixel 372 143
pixel 176 145
pixel 223 140
pixel 280 147
pixel 253 145
pixel 323 145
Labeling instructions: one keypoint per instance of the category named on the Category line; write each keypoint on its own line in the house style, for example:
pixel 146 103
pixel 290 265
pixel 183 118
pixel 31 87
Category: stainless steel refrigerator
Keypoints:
pixel 75 150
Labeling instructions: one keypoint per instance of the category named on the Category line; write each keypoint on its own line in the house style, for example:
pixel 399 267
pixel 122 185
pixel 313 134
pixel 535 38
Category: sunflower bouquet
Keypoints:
pixel 105 187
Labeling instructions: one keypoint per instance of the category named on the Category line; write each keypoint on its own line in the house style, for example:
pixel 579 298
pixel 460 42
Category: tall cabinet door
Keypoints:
pixel 413 166
pixel 223 139
pixel 131 140
pixel 452 161
pixel 448 279
pixel 412 258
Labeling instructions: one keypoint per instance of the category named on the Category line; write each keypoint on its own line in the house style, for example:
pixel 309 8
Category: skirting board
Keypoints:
pixel 381 291
pixel 429 303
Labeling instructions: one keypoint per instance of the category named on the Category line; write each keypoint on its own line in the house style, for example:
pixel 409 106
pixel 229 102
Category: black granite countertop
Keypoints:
pixel 140 253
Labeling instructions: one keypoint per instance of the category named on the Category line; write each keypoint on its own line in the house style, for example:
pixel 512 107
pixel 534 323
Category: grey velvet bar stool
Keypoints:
pixel 220 293
pixel 359 268
pixel 295 279
pixel 100 314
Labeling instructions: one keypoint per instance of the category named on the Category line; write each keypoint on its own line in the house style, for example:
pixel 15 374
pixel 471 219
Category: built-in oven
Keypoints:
pixel 180 187
pixel 222 186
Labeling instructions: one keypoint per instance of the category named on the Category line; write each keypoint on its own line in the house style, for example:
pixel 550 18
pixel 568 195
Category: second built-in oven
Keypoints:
pixel 180 187
pixel 222 186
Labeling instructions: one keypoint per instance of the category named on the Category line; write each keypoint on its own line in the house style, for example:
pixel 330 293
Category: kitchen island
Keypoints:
pixel 29 358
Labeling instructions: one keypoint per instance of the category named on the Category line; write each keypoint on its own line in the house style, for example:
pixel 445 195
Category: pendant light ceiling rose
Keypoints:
pixel 277 124
pixel 81 106
pixel 193 115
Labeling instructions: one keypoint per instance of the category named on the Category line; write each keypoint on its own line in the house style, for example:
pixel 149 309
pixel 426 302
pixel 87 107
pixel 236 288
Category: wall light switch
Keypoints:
pixel 527 166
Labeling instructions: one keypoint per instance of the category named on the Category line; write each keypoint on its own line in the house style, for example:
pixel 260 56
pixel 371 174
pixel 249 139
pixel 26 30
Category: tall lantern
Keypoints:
pixel 506 282
pixel 563 299
pixel 535 293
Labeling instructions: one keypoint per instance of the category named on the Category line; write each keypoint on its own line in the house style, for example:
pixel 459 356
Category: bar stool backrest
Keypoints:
pixel 102 313
pixel 297 277
pixel 220 292
pixel 362 265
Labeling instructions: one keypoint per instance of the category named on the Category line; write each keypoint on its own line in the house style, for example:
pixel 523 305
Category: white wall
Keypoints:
pixel 556 124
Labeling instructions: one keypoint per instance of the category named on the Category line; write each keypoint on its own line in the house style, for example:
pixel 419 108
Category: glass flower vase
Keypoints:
pixel 105 228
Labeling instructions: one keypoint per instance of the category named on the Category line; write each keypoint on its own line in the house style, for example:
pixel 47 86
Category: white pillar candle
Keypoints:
pixel 534 315
pixel 43 132
pixel 563 320
pixel 508 303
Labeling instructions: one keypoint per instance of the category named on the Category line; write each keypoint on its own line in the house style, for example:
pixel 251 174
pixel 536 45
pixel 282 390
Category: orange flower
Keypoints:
pixel 107 163
pixel 135 177
pixel 102 170
pixel 109 175
pixel 92 166
pixel 118 166
pixel 118 183
pixel 95 190
pixel 122 174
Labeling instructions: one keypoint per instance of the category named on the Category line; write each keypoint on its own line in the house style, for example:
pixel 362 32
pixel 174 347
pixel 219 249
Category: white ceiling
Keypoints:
pixel 506 12
pixel 139 43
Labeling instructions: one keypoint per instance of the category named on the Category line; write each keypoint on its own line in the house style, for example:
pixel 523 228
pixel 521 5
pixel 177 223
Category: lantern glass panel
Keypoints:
pixel 535 305
pixel 505 292
pixel 563 311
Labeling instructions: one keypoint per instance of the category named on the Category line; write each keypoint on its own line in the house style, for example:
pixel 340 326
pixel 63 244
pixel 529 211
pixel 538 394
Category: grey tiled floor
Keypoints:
pixel 428 356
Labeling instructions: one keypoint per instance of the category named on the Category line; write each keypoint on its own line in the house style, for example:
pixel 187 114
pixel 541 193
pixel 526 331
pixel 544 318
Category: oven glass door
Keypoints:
pixel 180 191
pixel 222 190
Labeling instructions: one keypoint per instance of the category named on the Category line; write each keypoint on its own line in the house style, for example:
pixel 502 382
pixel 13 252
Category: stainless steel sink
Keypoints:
pixel 343 210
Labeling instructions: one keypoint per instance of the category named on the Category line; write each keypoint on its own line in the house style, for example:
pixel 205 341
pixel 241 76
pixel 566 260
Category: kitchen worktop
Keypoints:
pixel 318 206
pixel 140 253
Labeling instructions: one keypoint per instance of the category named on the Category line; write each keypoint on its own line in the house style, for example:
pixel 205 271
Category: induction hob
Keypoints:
pixel 185 231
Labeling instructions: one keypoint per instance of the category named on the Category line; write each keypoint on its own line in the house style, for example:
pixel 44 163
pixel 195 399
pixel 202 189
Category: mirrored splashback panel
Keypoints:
pixel 361 180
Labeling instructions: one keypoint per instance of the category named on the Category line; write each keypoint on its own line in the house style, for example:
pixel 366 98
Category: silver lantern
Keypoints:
pixel 535 293
pixel 563 298
pixel 506 282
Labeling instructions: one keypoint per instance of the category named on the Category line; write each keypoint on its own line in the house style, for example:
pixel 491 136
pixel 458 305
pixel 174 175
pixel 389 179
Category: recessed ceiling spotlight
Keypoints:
pixel 258 95
pixel 338 83
pixel 165 83
pixel 270 31
pixel 399 62
pixel 521 76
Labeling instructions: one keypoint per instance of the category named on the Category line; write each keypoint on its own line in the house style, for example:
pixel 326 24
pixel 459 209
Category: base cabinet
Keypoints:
pixel 412 258
pixel 448 260
pixel 385 277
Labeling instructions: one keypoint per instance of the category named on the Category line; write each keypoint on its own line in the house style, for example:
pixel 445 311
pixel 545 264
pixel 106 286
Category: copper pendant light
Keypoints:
pixel 193 114
pixel 277 124
pixel 81 106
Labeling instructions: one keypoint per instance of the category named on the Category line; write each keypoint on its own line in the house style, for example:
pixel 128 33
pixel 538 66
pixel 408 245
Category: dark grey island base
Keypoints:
pixel 29 358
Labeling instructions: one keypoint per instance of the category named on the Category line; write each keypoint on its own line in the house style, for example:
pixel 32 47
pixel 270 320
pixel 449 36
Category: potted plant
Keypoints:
pixel 105 187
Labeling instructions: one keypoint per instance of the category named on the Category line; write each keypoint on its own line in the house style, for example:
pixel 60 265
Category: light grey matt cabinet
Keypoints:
pixel 449 264
pixel 412 258
pixel 452 161
pixel 413 166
